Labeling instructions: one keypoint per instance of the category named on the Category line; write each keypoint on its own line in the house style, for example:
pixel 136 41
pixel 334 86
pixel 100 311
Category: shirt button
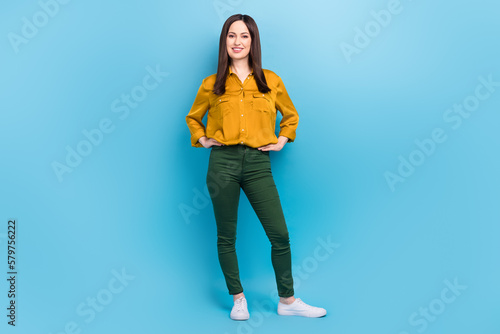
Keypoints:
pixel 242 142
pixel 242 89
pixel 242 129
pixel 241 100
pixel 241 114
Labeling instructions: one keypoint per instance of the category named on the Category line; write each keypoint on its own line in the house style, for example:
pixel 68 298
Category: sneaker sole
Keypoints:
pixel 281 312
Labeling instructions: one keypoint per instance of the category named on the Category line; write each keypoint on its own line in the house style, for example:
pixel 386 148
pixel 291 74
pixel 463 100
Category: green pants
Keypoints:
pixel 238 166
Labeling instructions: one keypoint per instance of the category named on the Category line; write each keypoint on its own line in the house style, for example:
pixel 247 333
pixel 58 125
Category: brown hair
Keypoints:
pixel 254 57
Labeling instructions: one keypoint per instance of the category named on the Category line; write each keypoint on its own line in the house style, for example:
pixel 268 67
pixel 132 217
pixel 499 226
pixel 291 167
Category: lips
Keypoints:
pixel 237 49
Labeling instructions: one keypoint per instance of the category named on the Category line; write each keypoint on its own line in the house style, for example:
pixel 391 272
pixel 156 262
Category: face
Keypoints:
pixel 238 40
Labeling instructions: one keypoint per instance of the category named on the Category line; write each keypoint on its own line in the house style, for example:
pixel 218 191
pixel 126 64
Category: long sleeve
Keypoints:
pixel 198 110
pixel 290 119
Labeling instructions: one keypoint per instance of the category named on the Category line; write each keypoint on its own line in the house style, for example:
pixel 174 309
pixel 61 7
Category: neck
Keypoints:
pixel 240 65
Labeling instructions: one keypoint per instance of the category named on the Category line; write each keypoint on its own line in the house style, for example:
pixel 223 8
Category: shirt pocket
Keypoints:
pixel 262 103
pixel 220 107
pixel 263 115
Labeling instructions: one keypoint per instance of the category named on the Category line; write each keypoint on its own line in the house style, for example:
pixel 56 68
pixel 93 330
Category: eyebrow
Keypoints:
pixel 231 32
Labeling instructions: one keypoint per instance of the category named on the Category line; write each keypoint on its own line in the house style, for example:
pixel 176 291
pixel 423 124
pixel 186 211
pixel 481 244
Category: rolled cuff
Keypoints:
pixel 195 137
pixel 289 133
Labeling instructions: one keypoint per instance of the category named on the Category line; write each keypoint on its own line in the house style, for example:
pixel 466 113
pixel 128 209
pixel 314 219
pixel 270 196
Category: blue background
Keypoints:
pixel 121 207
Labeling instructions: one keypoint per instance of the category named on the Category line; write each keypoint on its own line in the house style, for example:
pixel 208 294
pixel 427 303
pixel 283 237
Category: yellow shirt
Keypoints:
pixel 242 115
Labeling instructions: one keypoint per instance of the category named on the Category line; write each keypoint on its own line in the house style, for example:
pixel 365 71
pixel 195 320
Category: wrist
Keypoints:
pixel 282 140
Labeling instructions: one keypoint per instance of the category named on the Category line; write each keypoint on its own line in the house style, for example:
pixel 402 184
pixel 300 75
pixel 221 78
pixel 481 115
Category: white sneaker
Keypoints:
pixel 240 310
pixel 298 307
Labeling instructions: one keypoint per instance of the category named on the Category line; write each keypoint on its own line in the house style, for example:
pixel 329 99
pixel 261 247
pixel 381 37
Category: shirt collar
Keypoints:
pixel 230 71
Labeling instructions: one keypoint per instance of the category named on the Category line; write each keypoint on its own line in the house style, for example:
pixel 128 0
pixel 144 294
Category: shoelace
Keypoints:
pixel 303 304
pixel 239 303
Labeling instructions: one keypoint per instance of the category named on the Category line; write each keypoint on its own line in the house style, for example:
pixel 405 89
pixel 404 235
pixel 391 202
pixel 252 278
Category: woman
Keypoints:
pixel 241 100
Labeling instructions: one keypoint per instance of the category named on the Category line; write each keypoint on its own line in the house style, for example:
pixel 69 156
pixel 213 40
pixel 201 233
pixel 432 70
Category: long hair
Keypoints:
pixel 254 57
